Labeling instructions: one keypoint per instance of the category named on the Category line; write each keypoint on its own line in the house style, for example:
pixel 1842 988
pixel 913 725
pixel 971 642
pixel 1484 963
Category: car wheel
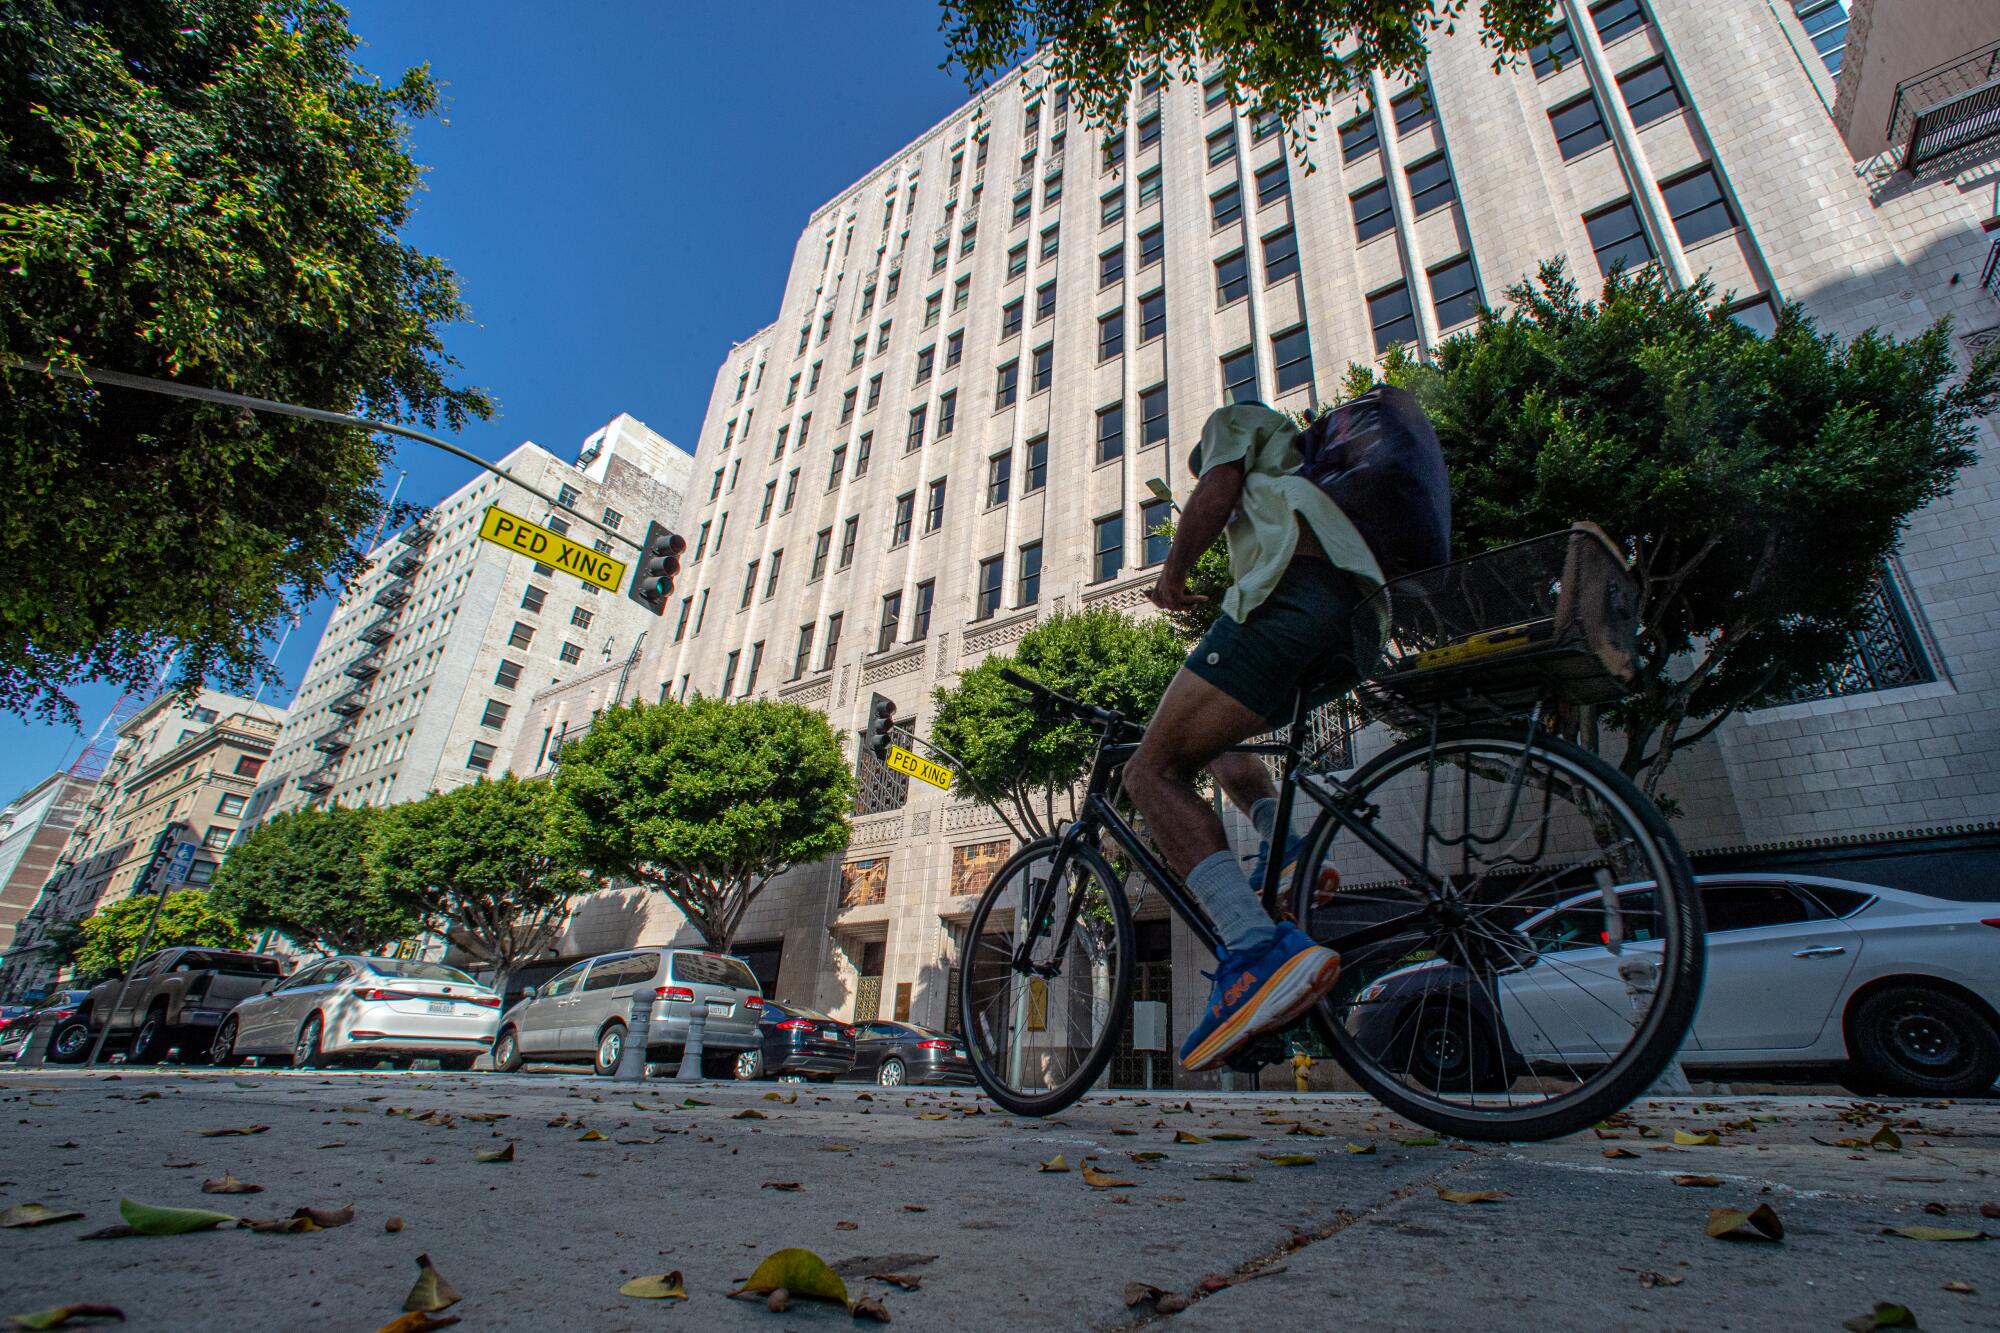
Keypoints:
pixel 223 1052
pixel 1917 1040
pixel 610 1046
pixel 71 1043
pixel 307 1052
pixel 149 1043
pixel 1447 1052
pixel 890 1075
pixel 750 1064
pixel 507 1052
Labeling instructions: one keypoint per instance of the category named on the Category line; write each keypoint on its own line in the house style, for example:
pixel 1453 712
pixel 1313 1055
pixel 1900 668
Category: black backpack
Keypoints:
pixel 1379 460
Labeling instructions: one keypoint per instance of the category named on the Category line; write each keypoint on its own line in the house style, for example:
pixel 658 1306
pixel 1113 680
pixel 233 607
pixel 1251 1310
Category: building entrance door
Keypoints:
pixel 1152 979
pixel 868 985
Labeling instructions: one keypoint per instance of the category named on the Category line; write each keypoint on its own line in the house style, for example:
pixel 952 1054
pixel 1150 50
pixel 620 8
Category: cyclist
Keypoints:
pixel 1317 521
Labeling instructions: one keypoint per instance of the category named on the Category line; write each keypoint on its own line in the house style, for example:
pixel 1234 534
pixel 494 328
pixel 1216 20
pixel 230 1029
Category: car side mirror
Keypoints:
pixel 528 992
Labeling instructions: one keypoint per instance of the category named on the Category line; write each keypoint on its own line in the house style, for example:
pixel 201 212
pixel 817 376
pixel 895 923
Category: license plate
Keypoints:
pixel 439 1006
pixel 719 1008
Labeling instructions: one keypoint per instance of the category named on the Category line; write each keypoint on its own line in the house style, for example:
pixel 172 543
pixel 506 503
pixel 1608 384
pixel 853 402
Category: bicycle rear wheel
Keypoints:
pixel 1555 972
pixel 1040 1023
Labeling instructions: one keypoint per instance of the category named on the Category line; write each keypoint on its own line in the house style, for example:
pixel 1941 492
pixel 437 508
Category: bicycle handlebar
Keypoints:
pixel 1083 712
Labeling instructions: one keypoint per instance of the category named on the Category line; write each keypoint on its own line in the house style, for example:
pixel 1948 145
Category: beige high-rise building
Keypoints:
pixel 989 344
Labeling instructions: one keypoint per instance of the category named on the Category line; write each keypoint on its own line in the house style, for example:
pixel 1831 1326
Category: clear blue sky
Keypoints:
pixel 619 187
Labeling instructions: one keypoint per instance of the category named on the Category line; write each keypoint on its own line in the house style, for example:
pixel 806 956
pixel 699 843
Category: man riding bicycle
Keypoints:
pixel 1317 521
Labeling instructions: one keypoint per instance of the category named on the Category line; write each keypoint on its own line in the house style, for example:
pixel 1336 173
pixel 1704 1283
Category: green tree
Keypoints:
pixel 309 875
pixel 107 941
pixel 1295 59
pixel 1027 762
pixel 208 191
pixel 1759 485
pixel 479 863
pixel 704 801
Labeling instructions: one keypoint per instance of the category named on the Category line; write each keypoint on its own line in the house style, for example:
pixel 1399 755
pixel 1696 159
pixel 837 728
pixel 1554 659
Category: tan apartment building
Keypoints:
pixel 34 828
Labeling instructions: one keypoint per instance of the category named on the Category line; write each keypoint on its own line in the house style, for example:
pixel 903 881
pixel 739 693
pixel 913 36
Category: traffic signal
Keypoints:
pixel 881 717
pixel 659 564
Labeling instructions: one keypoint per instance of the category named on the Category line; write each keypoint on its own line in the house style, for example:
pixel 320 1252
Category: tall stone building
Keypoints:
pixel 34 829
pixel 422 675
pixel 988 345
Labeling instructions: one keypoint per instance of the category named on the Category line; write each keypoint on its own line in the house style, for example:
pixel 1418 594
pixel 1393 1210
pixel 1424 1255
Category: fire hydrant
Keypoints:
pixel 1301 1065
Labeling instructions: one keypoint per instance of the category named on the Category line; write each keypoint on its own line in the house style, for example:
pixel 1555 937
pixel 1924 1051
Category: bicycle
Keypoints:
pixel 1521 940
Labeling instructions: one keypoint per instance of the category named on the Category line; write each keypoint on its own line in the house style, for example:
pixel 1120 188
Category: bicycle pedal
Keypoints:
pixel 1267 1048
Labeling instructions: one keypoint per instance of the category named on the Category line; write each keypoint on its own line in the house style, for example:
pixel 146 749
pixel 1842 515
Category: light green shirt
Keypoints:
pixel 1263 530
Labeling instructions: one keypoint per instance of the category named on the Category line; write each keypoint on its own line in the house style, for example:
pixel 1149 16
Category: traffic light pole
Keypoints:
pixel 162 846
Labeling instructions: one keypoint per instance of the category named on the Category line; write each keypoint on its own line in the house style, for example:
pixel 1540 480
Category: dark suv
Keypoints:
pixel 797 1042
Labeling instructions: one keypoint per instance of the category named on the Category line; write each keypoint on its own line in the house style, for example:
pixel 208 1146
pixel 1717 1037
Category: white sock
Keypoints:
pixel 1224 892
pixel 1263 814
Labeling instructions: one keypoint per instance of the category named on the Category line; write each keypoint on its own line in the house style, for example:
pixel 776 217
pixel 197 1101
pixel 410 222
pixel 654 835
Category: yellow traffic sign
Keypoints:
pixel 923 770
pixel 551 548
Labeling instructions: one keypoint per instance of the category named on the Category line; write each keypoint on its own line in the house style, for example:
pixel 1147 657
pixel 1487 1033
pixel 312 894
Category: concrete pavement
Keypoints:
pixel 939 1186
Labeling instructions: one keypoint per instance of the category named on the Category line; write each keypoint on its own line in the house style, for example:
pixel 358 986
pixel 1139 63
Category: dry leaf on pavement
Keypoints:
pixel 660 1287
pixel 1361 1149
pixel 590 1136
pixel 62 1315
pixel 907 1281
pixel 1651 1278
pixel 1288 1158
pixel 431 1292
pixel 1708 1138
pixel 36 1215
pixel 749 1113
pixel 1103 1180
pixel 147 1219
pixel 1935 1233
pixel 1471 1196
pixel 781 1184
pixel 1960 1286
pixel 233 1131
pixel 869 1307
pixel 227 1183
pixel 798 1272
pixel 417 1321
pixel 1699 1182
pixel 1619 1152
pixel 1759 1223
pixel 1182 1136
pixel 393 1225
pixel 1138 1293
pixel 505 1154
pixel 1056 1163
pixel 1886 1314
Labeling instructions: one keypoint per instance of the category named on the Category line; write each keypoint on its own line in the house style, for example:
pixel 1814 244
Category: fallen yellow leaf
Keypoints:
pixel 661 1287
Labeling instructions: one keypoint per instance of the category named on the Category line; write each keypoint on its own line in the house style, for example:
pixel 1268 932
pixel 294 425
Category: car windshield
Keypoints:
pixel 231 964
pixel 713 969
pixel 63 999
pixel 418 971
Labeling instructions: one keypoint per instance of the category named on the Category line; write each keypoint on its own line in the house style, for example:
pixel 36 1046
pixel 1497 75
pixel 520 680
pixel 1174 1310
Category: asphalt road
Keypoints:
pixel 938 1187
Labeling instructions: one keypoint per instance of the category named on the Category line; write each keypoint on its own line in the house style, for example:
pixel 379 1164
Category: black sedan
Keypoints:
pixel 797 1043
pixel 893 1054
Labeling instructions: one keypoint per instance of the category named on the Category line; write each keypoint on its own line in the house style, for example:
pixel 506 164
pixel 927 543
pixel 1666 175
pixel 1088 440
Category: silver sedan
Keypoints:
pixel 352 1008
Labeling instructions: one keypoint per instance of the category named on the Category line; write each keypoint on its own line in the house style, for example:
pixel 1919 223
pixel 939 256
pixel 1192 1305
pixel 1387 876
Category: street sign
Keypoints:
pixel 551 548
pixel 923 770
pixel 179 863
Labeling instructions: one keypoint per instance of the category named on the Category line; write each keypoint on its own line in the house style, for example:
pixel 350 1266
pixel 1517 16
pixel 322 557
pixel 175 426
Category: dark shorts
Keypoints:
pixel 1300 637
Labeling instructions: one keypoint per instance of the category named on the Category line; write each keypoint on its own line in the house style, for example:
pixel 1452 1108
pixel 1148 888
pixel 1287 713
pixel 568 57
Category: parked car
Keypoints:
pixel 795 1042
pixel 893 1054
pixel 18 1035
pixel 349 1008
pixel 1893 992
pixel 174 999
pixel 580 1014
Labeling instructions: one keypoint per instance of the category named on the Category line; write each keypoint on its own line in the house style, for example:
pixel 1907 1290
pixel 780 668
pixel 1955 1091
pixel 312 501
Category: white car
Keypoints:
pixel 1896 992
pixel 364 1009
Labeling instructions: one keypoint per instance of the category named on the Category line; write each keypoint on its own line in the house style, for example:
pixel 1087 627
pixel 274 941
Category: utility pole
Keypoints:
pixel 162 848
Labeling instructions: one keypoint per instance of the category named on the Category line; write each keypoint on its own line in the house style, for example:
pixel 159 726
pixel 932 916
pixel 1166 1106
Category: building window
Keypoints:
pixel 1757 315
pixel 1617 237
pixel 1152 245
pixel 1412 109
pixel 940 253
pixel 1239 377
pixel 770 498
pixel 1232 278
pixel 1430 184
pixel 749 583
pixel 1359 137
pixel 1028 587
pixel 999 478
pixel 1051 240
pixel 1006 384
pixel 836 466
pixel 1045 302
pixel 874 392
pixel 1043 368
pixel 906 511
pixel 848 402
pixel 925 360
pixel 1391 316
pixel 833 623
pixel 892 612
pixel 1556 52
pixel 1826 24
pixel 822 543
pixel 1281 255
pixel 933 308
pixel 1110 432
pixel 947 413
pixel 495 714
pixel 934 506
pixel 863 447
pixel 248 767
pixel 1111 208
pixel 1036 473
pixel 967 239
pixel 1024 204
pixel 882 335
pixel 1291 359
pixel 1697 207
pixel 729 674
pixel 1051 189
pixel 532 598
pixel 1615 18
pixel 792 387
pixel 567 496
pixel 1114 153
pixel 1225 205
pixel 1010 319
pixel 1214 93
pixel 230 804
pixel 860 351
pixel 848 533
pixel 701 611
pixel 954 349
pixel 961 294
pixel 920 614
pixel 771 579
pixel 1264 124
pixel 1649 92
pixel 1153 416
pixel 1222 145
pixel 1578 126
pixel 802 659
pixel 1149 186
pixel 1108 545
pixel 1373 213
pixel 1274 182
pixel 1153 315
pixel 1017 259
pixel 1111 266
pixel 1454 292
pixel 1154 516
pixel 987 599
pixel 1149 130
pixel 216 836
pixel 680 625
pixel 612 518
pixel 522 636
pixel 1111 334
pixel 481 757
pixel 508 676
pixel 913 439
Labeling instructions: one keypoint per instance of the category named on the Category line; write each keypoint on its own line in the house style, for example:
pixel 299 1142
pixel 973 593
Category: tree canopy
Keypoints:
pixel 704 801
pixel 309 874
pixel 107 941
pixel 1758 483
pixel 1026 762
pixel 479 863
pixel 1294 60
pixel 208 191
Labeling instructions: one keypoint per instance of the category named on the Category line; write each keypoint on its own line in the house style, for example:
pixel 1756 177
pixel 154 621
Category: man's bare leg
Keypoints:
pixel 1194 724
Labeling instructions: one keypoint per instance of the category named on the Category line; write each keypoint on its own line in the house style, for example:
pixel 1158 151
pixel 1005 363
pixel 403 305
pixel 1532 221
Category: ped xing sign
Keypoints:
pixel 551 548
pixel 923 770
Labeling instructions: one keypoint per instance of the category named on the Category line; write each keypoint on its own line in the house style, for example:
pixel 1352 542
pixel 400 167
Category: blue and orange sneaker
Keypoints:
pixel 1258 990
pixel 1295 846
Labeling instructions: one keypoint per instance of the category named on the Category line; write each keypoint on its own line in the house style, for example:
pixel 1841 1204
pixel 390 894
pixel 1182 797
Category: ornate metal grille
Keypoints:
pixel 1883 654
pixel 1150 981
pixel 878 789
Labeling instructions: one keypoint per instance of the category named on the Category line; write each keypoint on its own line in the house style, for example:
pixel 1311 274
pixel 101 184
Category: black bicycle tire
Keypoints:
pixel 1121 984
pixel 1641 1064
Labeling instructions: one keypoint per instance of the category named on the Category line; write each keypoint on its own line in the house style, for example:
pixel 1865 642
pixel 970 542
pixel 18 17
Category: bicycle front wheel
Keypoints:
pixel 1045 977
pixel 1544 971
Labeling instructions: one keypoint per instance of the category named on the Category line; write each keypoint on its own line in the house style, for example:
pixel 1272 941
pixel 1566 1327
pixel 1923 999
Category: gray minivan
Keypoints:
pixel 580 1013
